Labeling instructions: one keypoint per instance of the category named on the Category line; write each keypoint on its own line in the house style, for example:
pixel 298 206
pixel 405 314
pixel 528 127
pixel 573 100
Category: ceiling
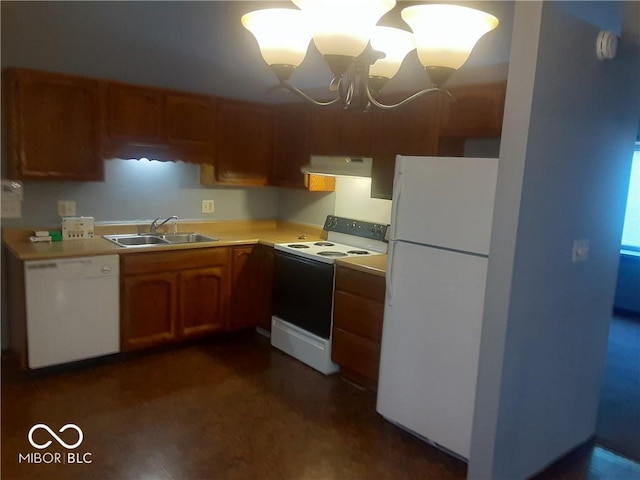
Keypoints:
pixel 198 46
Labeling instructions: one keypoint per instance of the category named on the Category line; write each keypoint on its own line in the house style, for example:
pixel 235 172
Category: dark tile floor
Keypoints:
pixel 618 426
pixel 228 409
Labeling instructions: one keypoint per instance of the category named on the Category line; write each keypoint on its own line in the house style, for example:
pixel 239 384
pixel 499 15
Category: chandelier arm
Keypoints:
pixel 286 85
pixel 406 100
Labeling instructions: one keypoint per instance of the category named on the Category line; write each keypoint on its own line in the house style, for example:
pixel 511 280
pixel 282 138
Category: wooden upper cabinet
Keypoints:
pixel 408 130
pixel 324 131
pixel 355 132
pixel 336 131
pixel 475 112
pixel 52 126
pixel 190 126
pixel 189 118
pixel 158 123
pixel 243 143
pixel 135 114
pixel 290 144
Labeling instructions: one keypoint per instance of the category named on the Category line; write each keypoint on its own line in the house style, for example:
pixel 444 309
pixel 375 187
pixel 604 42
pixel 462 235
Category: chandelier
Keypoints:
pixel 362 56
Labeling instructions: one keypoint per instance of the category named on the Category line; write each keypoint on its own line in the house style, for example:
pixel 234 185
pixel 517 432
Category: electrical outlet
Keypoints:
pixel 580 250
pixel 207 206
pixel 66 208
pixel 11 209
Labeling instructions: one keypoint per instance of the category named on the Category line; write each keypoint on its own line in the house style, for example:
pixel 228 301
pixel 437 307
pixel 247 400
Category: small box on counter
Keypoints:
pixel 77 228
pixel 46 236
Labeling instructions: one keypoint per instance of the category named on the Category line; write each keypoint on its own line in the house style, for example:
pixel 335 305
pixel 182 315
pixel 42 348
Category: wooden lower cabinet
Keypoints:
pixel 252 270
pixel 169 296
pixel 357 325
pixel 202 298
pixel 149 309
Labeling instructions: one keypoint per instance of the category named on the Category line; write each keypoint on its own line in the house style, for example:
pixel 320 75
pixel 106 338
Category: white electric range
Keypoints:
pixel 303 287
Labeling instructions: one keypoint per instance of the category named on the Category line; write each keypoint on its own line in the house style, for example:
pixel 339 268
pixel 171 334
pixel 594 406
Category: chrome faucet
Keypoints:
pixel 155 225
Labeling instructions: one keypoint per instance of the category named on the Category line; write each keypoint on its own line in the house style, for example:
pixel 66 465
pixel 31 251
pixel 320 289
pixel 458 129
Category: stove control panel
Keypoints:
pixel 375 231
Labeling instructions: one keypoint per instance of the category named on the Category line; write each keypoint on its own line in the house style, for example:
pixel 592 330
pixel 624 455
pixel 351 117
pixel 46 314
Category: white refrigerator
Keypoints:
pixel 436 273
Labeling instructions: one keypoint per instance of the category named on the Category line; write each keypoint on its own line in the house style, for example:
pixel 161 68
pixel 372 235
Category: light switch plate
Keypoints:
pixel 11 209
pixel 208 206
pixel 66 208
pixel 580 250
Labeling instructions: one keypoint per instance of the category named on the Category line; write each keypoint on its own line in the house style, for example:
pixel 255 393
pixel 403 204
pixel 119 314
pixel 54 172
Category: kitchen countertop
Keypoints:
pixel 375 264
pixel 265 232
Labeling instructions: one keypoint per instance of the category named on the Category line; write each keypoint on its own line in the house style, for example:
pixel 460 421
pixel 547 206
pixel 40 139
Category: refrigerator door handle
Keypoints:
pixel 397 190
pixel 388 281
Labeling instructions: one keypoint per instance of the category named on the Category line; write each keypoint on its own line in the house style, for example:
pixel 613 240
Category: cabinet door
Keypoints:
pixel 290 145
pixel 358 311
pixel 243 143
pixel 135 114
pixel 408 130
pixel 252 287
pixel 202 300
pixel 475 112
pixel 54 124
pixel 355 132
pixel 149 309
pixel 324 131
pixel 190 126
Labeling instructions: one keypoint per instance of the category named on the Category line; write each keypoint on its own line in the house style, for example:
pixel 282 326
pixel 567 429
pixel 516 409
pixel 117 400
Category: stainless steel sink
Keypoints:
pixel 129 240
pixel 145 239
pixel 192 237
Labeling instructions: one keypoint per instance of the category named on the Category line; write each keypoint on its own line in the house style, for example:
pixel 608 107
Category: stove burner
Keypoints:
pixel 331 253
pixel 324 244
pixel 358 252
pixel 297 245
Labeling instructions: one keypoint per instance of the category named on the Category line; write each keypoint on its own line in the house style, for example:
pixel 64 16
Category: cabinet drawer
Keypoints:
pixel 173 260
pixel 360 283
pixel 358 315
pixel 360 355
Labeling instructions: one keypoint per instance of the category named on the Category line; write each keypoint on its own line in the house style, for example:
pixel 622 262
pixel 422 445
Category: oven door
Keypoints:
pixel 303 293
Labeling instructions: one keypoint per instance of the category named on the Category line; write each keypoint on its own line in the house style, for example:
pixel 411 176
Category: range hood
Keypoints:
pixel 337 166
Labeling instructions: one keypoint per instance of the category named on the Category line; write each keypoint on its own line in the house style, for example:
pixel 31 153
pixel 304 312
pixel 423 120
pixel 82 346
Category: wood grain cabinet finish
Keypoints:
pixel 149 309
pixel 335 131
pixel 190 126
pixel 409 130
pixel 292 149
pixel 476 112
pixel 169 296
pixel 135 114
pixel 290 144
pixel 243 143
pixel 357 325
pixel 252 268
pixel 52 126
pixel 157 123
pixel 202 300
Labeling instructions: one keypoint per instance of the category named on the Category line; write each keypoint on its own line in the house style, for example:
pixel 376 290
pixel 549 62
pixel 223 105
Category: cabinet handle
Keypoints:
pixel 397 191
pixel 389 274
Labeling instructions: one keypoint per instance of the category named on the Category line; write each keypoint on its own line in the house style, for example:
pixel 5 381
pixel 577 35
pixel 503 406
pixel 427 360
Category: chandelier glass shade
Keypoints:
pixel 361 55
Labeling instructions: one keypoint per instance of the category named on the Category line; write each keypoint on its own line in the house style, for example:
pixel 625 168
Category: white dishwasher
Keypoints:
pixel 72 309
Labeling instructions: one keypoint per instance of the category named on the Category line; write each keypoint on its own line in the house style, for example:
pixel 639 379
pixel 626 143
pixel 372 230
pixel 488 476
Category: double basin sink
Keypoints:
pixel 147 239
